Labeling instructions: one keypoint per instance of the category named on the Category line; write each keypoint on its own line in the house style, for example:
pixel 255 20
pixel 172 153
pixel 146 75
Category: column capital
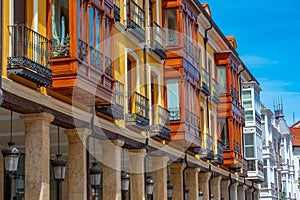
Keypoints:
pixel 204 176
pixel 111 143
pixel 192 170
pixel 78 134
pixel 37 116
pixel 177 166
pixel 216 180
pixel 138 151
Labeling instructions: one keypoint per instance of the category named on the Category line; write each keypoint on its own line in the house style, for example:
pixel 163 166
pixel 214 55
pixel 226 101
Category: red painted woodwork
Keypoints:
pixel 182 63
pixel 86 73
pixel 230 108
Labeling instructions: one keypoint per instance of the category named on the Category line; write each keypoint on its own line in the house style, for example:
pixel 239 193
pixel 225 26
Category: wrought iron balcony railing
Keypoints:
pixel 139 111
pixel 160 126
pixel 195 120
pixel 205 82
pixel 136 21
pixel 174 113
pixel 82 50
pixel 108 66
pixel 117 10
pixel 96 58
pixel 207 151
pixel 219 158
pixel 158 40
pixel 29 55
pixel 116 108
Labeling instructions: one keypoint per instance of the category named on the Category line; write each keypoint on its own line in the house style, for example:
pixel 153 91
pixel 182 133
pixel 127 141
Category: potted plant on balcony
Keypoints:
pixel 61 43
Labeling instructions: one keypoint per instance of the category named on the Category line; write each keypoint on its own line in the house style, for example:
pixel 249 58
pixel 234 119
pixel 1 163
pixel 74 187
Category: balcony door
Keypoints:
pixel 19 12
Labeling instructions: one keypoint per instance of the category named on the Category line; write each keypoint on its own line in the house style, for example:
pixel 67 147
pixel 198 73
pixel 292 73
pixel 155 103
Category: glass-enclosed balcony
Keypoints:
pixel 160 126
pixel 158 40
pixel 138 116
pixel 29 55
pixel 136 21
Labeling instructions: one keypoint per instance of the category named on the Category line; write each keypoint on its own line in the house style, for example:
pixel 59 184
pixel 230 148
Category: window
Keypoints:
pixel 249 115
pixel 247 104
pixel 246 94
pixel 249 145
pixel 173 99
pixel 224 132
pixel 171 27
pixel 222 79
pixel 60 28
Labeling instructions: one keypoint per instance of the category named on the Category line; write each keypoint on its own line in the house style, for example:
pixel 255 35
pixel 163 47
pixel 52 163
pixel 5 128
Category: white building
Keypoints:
pixel 252 132
pixel 279 171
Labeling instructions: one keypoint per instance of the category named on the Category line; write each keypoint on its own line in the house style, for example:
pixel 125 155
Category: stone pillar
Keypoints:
pixel 111 165
pixel 204 184
pixel 77 166
pixel 160 177
pixel 215 187
pixel 192 182
pixel 242 192
pixel 1 176
pixel 249 193
pixel 233 191
pixel 37 159
pixel 177 180
pixel 224 189
pixel 137 178
pixel 256 194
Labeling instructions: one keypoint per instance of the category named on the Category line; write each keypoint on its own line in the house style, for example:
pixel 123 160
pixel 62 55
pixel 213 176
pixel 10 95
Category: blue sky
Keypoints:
pixel 268 39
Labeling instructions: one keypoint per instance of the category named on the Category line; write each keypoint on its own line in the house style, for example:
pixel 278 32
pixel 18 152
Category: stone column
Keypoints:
pixel 215 187
pixel 177 180
pixel 1 176
pixel 137 178
pixel 37 159
pixel 224 189
pixel 249 193
pixel 111 159
pixel 233 191
pixel 192 182
pixel 77 166
pixel 241 192
pixel 256 194
pixel 160 177
pixel 204 184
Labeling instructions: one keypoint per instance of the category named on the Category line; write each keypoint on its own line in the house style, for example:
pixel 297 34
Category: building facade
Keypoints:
pixel 144 94
pixel 279 170
pixel 296 143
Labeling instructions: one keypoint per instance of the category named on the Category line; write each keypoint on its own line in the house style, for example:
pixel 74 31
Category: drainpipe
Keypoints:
pixel 231 183
pixel 210 178
pixel 1 92
pixel 183 175
pixel 205 40
pixel 254 190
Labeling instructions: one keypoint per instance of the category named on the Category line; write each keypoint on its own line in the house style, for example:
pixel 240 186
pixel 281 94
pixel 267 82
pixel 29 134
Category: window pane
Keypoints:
pixel 91 25
pixel 249 152
pixel 249 140
pixel 249 115
pixel 246 94
pixel 247 104
pixel 222 79
pixel 173 99
pixel 171 27
pixel 98 27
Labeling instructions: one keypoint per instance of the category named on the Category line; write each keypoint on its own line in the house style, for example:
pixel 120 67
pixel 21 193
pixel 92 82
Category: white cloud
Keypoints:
pixel 257 61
